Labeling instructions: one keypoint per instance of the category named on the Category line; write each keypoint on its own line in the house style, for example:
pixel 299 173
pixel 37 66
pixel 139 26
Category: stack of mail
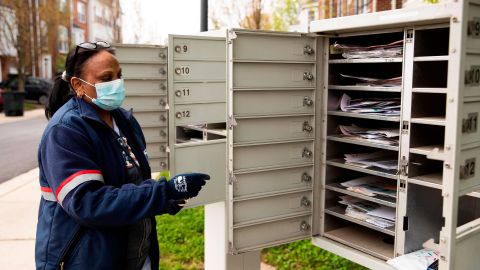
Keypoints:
pixel 370 212
pixel 388 136
pixel 367 81
pixel 372 106
pixel 380 159
pixel 372 186
pixel 391 50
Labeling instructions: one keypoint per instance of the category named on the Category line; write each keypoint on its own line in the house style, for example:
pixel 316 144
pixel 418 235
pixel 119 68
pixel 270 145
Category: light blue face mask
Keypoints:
pixel 110 95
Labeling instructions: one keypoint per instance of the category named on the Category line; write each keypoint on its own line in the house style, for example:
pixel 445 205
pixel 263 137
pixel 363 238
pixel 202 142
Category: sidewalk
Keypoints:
pixel 19 198
pixel 26 115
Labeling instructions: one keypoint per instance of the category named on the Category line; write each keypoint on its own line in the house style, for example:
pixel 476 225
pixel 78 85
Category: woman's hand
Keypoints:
pixel 185 186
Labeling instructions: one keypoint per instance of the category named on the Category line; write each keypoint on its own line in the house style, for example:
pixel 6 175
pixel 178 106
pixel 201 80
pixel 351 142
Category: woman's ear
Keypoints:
pixel 77 86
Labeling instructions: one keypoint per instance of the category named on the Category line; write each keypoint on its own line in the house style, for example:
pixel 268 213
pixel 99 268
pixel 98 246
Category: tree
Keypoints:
pixel 15 31
pixel 256 18
pixel 285 14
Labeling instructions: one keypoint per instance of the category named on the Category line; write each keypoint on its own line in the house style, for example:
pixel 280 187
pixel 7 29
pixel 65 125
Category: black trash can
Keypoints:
pixel 13 103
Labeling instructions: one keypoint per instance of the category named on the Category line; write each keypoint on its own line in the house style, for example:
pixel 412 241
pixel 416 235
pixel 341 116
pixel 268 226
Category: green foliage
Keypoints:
pixel 181 240
pixel 302 255
pixel 432 1
pixel 60 63
pixel 181 247
pixel 285 14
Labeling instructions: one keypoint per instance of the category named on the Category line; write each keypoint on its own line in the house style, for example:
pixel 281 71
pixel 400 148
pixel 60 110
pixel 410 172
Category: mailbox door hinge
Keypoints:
pixel 404 166
pixel 231 178
pixel 231 249
pixel 231 122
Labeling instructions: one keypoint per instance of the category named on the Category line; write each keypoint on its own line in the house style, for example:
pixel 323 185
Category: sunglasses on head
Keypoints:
pixel 89 46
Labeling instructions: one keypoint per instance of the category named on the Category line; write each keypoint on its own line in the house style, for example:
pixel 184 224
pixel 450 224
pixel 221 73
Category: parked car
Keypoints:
pixel 37 89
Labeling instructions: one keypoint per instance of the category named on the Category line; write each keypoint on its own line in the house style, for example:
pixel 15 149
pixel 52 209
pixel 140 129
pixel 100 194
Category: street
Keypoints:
pixel 18 143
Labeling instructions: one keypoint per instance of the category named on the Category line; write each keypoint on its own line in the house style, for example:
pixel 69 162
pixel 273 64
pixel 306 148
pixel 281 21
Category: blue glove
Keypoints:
pixel 185 186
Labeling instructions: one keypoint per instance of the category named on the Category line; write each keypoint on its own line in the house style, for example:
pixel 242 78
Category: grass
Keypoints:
pixel 181 247
pixel 28 106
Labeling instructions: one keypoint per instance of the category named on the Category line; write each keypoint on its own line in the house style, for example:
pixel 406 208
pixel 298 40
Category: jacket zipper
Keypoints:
pixel 71 246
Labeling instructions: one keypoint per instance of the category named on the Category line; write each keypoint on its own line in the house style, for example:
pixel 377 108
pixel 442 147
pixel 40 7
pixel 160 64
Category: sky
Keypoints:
pixel 150 21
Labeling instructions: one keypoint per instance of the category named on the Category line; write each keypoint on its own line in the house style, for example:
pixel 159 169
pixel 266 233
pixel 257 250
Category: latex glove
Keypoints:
pixel 185 186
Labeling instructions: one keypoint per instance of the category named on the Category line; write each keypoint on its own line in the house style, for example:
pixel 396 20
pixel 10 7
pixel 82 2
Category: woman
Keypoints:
pixel 98 201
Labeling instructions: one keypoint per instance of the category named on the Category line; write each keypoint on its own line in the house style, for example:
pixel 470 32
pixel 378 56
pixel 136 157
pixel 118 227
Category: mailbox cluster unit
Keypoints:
pixel 144 69
pixel 260 111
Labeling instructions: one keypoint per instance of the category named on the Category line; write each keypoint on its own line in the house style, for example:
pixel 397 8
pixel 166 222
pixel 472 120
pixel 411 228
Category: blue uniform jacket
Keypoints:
pixel 87 201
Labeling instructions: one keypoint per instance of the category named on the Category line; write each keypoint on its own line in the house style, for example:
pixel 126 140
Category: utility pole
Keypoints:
pixel 32 37
pixel 204 15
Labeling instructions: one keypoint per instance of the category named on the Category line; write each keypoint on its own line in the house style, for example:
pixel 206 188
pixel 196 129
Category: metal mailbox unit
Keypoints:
pixel 260 120
pixel 144 69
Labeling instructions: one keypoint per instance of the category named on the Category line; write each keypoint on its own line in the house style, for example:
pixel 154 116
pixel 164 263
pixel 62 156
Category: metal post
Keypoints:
pixel 204 15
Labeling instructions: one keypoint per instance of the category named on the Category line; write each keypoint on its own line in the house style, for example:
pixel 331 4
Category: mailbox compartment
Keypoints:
pixel 145 102
pixel 200 92
pixel 198 71
pixel 249 184
pixel 271 233
pixel 470 127
pixel 155 133
pixel 272 155
pixel 143 86
pixel 468 170
pixel 194 48
pixel 157 150
pixel 472 75
pixel 151 118
pixel 158 164
pixel 269 75
pixel 250 130
pixel 190 114
pixel 258 103
pixel 144 71
pixel 274 48
pixel 138 53
pixel 271 207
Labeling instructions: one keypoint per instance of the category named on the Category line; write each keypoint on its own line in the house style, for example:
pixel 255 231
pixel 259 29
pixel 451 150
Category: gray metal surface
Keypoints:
pixel 273 129
pixel 187 114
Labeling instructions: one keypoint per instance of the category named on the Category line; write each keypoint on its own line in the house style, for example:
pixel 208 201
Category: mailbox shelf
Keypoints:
pixel 367 60
pixel 383 200
pixel 363 239
pixel 359 141
pixel 365 116
pixel 338 211
pixel 365 88
pixel 378 172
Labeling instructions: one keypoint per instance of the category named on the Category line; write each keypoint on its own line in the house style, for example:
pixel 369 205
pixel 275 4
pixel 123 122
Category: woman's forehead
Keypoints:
pixel 102 61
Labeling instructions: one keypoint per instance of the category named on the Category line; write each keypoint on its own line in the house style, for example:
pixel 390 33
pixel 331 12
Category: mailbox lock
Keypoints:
pixel 162 102
pixel 162 71
pixel 162 55
pixel 163 118
pixel 178 93
pixel 304 226
pixel 163 87
pixel 178 115
pixel 163 164
pixel 308 50
pixel 306 178
pixel 307 101
pixel 307 127
pixel 163 148
pixel 163 133
pixel 178 49
pixel 307 76
pixel 178 71
pixel 307 153
pixel 305 202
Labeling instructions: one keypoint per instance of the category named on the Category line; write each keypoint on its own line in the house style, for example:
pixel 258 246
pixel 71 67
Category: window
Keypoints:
pixel 81 12
pixel 311 15
pixel 62 4
pixel 62 39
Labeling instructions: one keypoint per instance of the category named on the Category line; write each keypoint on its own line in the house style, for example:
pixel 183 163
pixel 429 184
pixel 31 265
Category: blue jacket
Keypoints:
pixel 87 201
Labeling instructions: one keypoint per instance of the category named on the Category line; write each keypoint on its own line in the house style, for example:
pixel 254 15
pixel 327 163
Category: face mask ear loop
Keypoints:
pixel 92 99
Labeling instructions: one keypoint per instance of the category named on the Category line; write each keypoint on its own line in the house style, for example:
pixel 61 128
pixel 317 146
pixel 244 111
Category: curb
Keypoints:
pixel 27 115
pixel 18 182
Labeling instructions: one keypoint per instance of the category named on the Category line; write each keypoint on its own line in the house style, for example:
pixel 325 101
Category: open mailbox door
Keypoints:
pixel 272 104
pixel 197 112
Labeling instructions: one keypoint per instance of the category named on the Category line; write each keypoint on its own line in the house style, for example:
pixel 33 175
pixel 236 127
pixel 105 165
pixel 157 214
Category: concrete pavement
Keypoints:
pixel 26 115
pixel 19 198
